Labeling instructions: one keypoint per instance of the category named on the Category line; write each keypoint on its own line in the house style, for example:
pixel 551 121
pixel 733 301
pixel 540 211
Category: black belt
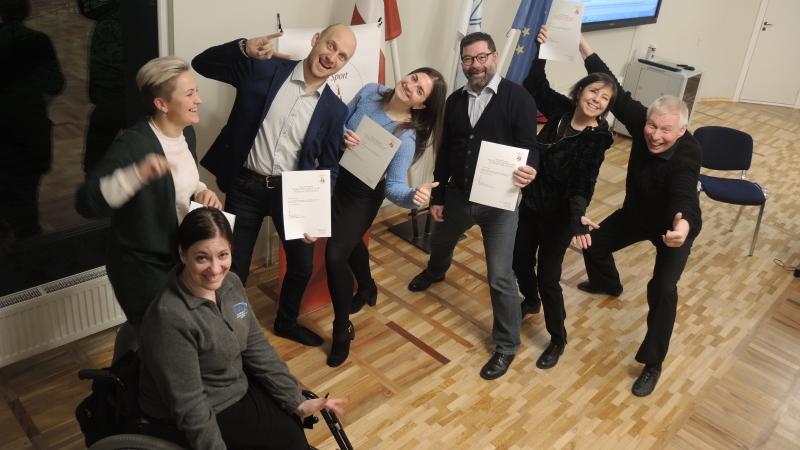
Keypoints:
pixel 269 181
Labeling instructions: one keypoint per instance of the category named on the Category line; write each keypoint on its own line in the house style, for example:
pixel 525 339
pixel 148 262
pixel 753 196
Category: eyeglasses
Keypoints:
pixel 480 57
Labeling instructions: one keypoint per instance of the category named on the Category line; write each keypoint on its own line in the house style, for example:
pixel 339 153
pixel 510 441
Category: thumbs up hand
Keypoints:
pixel 422 193
pixel 677 235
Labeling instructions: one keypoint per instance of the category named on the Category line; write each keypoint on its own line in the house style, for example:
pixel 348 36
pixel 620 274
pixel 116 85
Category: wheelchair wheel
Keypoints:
pixel 133 442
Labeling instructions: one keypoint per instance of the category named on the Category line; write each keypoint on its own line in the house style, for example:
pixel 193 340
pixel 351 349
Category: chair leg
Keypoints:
pixel 758 226
pixel 736 220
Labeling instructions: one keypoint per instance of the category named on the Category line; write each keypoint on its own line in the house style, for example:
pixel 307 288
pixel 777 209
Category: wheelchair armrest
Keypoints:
pixel 101 375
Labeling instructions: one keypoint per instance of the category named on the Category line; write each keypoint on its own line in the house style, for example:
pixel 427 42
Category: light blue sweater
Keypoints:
pixel 368 103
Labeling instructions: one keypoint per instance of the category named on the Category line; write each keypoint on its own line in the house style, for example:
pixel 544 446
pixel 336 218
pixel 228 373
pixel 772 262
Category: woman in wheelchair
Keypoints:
pixel 207 371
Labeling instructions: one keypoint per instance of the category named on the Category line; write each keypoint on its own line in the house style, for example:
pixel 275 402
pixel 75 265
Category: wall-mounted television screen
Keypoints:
pixel 605 14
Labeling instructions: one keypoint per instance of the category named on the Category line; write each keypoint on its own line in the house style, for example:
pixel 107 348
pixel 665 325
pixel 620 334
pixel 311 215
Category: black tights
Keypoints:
pixel 354 208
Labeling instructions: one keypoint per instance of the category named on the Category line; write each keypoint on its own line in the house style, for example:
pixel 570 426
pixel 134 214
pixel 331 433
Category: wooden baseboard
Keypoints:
pixel 716 99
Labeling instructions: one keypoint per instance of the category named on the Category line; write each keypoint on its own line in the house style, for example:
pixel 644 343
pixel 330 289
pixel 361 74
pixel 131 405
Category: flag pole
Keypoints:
pixel 456 62
pixel 398 75
pixel 511 40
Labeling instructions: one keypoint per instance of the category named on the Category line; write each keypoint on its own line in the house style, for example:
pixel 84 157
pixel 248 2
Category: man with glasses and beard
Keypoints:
pixel 488 108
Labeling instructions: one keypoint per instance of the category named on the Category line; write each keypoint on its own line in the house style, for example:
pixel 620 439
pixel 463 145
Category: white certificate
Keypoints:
pixel 231 217
pixel 306 203
pixel 563 32
pixel 369 159
pixel 493 184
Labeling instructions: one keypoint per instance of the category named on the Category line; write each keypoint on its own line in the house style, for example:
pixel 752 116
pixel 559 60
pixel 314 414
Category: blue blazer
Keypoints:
pixel 257 82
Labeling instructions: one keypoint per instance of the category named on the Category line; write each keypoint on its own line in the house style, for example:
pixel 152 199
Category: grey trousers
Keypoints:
pixel 498 227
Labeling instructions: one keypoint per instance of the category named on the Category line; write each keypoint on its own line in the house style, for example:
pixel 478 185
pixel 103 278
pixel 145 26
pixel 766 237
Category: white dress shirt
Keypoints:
pixel 479 100
pixel 280 137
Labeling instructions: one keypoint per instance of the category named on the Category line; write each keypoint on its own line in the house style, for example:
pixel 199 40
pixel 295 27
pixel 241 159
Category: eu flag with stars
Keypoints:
pixel 531 15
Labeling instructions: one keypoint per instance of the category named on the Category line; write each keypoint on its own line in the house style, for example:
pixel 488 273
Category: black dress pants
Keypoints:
pixel 616 232
pixel 255 422
pixel 354 207
pixel 251 200
pixel 548 237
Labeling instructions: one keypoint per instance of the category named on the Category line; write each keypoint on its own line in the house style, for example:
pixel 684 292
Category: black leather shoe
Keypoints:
pixel 644 385
pixel 586 287
pixel 368 296
pixel 301 334
pixel 530 306
pixel 422 281
pixel 549 357
pixel 497 366
pixel 340 345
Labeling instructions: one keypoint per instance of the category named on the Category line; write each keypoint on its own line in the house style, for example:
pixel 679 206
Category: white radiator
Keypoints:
pixel 53 314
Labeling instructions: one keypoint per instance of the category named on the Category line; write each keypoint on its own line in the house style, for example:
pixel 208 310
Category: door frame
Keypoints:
pixel 748 58
pixel 165 18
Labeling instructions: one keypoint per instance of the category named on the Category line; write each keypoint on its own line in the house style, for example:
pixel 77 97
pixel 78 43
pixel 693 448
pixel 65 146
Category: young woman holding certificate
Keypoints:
pixel 412 111
pixel 573 145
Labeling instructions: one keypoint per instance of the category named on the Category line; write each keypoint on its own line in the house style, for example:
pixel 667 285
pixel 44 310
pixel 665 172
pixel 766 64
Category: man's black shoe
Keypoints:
pixel 549 357
pixel 530 306
pixel 644 385
pixel 497 366
pixel 301 334
pixel 422 281
pixel 586 287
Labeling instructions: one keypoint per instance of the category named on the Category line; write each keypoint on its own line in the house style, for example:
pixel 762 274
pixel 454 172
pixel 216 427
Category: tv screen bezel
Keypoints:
pixel 621 23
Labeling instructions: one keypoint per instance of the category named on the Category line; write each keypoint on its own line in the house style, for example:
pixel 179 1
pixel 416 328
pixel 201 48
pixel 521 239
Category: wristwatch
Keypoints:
pixel 243 46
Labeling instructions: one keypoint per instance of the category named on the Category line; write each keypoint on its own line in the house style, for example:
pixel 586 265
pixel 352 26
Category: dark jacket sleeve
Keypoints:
pixel 224 63
pixel 580 186
pixel 630 112
pixel 441 169
pixel 551 103
pixel 682 188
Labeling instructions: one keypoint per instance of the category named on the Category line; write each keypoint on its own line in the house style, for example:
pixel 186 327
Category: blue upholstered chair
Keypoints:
pixel 729 149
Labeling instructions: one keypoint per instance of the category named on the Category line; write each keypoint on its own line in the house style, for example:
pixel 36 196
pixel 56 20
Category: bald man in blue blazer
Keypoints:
pixel 284 118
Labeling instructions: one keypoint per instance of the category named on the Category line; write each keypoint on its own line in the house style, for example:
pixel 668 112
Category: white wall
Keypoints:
pixel 712 35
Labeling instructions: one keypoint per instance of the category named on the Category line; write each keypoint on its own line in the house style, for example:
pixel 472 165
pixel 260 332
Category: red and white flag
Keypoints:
pixel 370 11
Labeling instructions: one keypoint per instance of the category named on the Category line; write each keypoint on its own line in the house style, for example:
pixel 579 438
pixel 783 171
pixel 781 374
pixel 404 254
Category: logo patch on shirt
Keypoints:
pixel 240 310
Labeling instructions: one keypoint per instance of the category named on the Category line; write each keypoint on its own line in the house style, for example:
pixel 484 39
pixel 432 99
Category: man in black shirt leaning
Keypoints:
pixel 489 108
pixel 661 206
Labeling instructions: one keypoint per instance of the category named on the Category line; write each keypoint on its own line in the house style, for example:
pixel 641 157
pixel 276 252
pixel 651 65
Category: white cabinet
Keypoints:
pixel 646 82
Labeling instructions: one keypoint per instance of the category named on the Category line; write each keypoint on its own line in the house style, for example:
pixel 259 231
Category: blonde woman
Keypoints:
pixel 144 183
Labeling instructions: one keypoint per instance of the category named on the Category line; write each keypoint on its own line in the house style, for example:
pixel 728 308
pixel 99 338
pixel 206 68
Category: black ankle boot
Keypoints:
pixel 366 295
pixel 340 345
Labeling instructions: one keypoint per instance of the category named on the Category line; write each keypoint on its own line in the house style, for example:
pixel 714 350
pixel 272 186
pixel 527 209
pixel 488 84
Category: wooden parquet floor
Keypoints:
pixel 731 379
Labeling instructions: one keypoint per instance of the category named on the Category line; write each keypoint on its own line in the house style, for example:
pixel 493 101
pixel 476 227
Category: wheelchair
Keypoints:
pixel 110 418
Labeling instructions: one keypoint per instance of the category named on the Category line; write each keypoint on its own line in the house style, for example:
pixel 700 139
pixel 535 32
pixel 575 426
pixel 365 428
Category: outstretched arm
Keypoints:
pixel 627 110
pixel 551 103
